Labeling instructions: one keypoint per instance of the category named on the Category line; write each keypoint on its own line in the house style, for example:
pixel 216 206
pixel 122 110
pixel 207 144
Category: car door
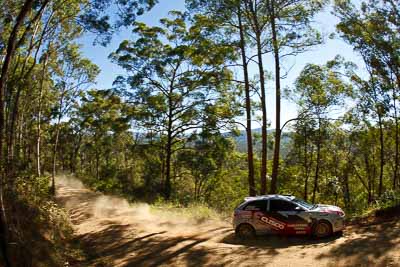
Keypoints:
pixel 288 217
pixel 256 210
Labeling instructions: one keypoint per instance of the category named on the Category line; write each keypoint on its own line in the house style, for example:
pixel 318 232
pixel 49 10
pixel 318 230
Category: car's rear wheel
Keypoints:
pixel 323 229
pixel 245 231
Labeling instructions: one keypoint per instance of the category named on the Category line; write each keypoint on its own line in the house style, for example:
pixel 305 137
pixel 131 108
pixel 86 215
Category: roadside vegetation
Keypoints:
pixel 42 230
pixel 167 131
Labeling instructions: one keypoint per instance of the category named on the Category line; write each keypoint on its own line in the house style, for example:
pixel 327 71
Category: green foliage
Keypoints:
pixel 295 32
pixel 321 88
pixel 389 199
pixel 176 80
pixel 42 78
pixel 95 15
pixel 193 212
pixel 43 228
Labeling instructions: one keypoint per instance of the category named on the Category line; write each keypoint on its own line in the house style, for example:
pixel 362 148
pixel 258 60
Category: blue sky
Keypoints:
pixel 324 21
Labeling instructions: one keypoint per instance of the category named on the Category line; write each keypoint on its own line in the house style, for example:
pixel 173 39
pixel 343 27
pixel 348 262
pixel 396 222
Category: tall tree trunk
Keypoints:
pixel 250 163
pixel 11 47
pixel 75 153
pixel 97 165
pixel 82 157
pixel 275 163
pixel 13 114
pixel 39 119
pixel 318 162
pixel 168 152
pixel 382 155
pixel 168 148
pixel 20 137
pixel 3 232
pixel 396 157
pixel 370 178
pixel 14 105
pixel 306 174
pixel 55 148
pixel 162 174
pixel 264 135
pixel 346 187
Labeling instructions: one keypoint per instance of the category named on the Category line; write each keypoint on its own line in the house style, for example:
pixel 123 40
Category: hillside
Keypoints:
pixel 241 141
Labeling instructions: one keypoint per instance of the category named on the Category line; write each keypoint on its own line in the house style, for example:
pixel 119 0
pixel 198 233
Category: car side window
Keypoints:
pixel 257 205
pixel 281 205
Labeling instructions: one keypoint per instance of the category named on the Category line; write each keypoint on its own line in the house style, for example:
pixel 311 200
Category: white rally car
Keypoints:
pixel 286 214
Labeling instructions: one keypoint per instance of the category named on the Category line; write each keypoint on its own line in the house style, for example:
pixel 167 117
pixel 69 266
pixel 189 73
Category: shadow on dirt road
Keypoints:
pixel 370 246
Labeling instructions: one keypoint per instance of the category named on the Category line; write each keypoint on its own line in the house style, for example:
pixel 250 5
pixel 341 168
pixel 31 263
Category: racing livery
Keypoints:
pixel 286 214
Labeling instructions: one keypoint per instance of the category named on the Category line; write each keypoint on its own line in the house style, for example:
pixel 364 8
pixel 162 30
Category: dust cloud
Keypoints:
pixel 65 180
pixel 96 208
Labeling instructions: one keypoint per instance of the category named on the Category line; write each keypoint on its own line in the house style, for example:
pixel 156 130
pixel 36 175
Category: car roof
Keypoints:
pixel 266 197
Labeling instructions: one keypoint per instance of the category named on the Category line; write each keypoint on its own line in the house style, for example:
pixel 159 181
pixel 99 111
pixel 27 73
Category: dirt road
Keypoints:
pixel 114 233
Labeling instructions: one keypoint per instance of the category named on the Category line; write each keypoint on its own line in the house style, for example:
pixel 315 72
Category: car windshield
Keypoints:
pixel 303 203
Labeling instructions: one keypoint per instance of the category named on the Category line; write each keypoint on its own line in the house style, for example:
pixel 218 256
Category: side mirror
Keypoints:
pixel 298 209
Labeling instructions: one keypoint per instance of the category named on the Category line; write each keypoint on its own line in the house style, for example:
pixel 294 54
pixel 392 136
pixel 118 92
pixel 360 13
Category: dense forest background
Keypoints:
pixel 179 125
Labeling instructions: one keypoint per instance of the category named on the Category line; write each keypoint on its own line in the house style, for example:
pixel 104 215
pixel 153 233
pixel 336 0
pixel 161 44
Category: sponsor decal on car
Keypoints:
pixel 297 225
pixel 273 223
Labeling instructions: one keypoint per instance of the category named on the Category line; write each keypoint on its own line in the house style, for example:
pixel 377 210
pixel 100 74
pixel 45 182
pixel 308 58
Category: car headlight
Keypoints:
pixel 337 212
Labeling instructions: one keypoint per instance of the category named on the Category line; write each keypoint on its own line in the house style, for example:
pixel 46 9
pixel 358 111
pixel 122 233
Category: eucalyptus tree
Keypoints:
pixel 364 156
pixel 27 27
pixel 36 23
pixel 56 27
pixel 372 29
pixel 13 35
pixel 321 88
pixel 373 106
pixel 73 75
pixel 231 19
pixel 101 117
pixel 291 33
pixel 205 162
pixel 304 129
pixel 258 25
pixel 175 72
pixel 245 64
pixel 11 43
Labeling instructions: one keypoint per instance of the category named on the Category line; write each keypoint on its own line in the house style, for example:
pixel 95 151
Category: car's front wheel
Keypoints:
pixel 323 229
pixel 245 231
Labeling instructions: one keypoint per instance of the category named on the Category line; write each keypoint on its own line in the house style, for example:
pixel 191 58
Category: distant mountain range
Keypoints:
pixel 241 141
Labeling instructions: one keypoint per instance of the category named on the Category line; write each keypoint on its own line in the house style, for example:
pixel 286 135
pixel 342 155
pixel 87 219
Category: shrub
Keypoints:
pixel 39 227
